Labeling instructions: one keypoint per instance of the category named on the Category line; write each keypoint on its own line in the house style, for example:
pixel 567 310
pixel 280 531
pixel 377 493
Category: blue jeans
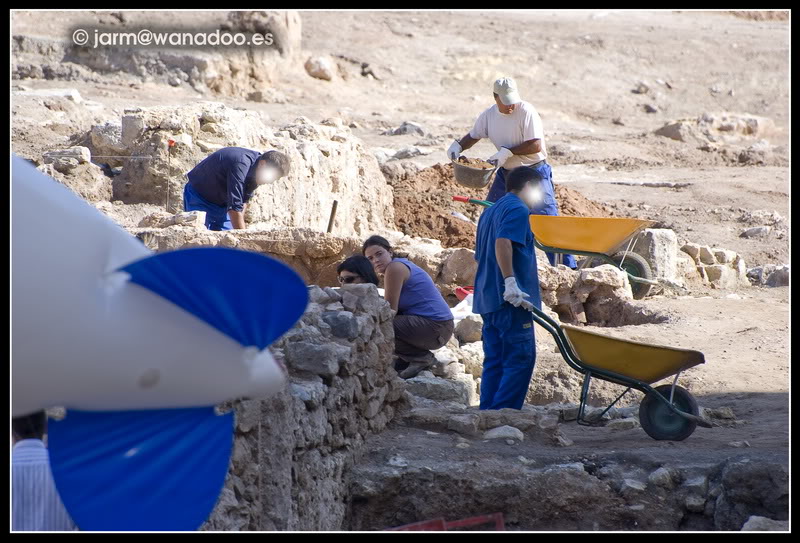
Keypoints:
pixel 509 352
pixel 548 207
pixel 217 217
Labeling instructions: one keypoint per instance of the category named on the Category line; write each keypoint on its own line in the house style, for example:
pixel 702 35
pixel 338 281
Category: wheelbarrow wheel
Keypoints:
pixel 634 264
pixel 658 420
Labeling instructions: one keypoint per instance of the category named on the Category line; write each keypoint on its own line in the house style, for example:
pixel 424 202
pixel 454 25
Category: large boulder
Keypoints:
pixel 556 288
pixel 469 329
pixel 659 246
pixel 73 167
pixel 770 275
pixel 427 386
pixel 693 250
pixel 65 160
pixel 717 127
pixel 458 267
pixel 764 524
pixel 106 140
pixel 321 67
pixel 748 489
pixel 721 276
pixel 472 358
pixel 779 277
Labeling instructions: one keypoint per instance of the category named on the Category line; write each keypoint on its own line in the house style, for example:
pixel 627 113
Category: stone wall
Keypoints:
pixel 293 452
pixel 718 267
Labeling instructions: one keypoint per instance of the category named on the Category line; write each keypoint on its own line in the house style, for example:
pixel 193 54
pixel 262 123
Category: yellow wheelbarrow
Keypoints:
pixel 667 412
pixel 600 239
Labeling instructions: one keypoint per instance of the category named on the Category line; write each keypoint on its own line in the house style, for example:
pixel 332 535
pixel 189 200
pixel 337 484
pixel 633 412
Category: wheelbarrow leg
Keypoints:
pixel 613 403
pixel 627 250
pixel 672 390
pixel 584 395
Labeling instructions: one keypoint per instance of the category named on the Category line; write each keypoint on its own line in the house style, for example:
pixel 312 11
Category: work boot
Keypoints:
pixel 414 369
pixel 399 364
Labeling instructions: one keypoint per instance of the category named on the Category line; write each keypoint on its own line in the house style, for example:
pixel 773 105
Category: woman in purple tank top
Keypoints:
pixel 423 321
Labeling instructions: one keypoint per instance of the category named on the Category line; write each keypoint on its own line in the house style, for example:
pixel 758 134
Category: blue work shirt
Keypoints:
pixel 419 295
pixel 507 218
pixel 226 177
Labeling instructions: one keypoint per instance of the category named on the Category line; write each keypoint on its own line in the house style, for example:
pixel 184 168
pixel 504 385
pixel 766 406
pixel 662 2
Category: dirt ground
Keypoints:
pixel 424 206
pixel 579 69
pixel 746 369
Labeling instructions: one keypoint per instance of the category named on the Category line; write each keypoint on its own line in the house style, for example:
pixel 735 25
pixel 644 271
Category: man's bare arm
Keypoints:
pixel 530 147
pixel 237 219
pixel 467 141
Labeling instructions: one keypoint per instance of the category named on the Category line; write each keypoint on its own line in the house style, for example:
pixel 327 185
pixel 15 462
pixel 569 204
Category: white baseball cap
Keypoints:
pixel 506 88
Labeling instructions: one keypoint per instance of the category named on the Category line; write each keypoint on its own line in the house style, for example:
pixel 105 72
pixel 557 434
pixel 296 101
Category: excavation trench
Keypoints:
pixel 410 475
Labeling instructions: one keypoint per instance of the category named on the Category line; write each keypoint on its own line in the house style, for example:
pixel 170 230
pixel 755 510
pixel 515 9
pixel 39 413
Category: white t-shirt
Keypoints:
pixel 510 130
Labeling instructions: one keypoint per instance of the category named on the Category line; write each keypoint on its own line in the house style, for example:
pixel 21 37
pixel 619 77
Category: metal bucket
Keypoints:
pixel 474 178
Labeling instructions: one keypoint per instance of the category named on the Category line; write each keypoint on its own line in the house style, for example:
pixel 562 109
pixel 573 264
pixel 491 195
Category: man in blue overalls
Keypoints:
pixel 506 288
pixel 515 129
pixel 225 180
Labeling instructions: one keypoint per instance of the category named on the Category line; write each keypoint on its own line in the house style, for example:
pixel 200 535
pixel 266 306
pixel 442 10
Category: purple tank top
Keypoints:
pixel 419 296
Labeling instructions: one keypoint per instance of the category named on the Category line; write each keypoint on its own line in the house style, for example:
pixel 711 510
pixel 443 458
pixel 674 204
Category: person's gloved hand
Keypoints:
pixel 513 295
pixel 501 156
pixel 454 151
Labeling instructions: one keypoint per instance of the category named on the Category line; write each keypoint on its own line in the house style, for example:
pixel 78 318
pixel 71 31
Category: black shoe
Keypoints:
pixel 399 364
pixel 414 369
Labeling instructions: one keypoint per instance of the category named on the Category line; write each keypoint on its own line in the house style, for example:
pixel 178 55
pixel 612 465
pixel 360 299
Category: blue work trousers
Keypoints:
pixel 217 217
pixel 509 352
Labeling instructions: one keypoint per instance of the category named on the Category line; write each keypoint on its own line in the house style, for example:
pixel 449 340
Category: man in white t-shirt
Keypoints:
pixel 515 129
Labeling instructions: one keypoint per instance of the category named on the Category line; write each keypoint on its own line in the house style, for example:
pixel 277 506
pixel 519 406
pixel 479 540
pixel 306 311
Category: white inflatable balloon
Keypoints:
pixel 87 338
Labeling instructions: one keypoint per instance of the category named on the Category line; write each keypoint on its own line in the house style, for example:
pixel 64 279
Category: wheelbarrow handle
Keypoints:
pixel 468 200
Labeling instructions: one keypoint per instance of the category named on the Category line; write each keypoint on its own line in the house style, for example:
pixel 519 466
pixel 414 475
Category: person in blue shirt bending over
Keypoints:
pixel 224 181
pixel 506 289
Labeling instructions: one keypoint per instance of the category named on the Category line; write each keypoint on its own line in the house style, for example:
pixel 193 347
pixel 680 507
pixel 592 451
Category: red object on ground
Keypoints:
pixel 435 525
pixel 171 143
pixel 463 292
pixel 439 524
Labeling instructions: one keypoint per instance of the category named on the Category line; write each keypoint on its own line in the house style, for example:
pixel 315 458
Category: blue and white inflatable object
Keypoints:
pixel 138 347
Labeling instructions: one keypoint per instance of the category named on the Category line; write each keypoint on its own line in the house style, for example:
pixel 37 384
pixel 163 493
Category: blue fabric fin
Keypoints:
pixel 252 298
pixel 140 470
